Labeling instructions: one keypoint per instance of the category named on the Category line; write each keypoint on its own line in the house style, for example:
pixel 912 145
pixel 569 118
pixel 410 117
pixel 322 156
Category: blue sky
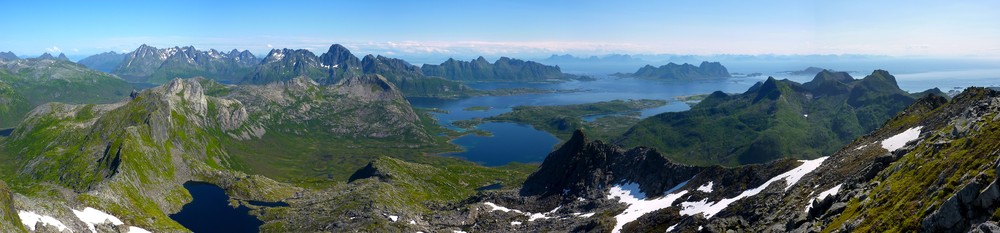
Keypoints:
pixel 514 28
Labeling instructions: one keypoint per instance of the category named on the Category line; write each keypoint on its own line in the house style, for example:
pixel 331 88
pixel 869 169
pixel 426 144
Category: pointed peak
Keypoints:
pixel 881 79
pixel 338 47
pixel 578 137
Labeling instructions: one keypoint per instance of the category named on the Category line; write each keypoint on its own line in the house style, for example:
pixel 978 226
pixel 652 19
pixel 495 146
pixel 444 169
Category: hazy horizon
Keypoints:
pixel 524 29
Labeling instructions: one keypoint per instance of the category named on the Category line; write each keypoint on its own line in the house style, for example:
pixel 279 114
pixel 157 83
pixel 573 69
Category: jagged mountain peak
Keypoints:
pixel 829 83
pixel 46 56
pixel 769 89
pixel 339 56
pixel 880 80
pixel 582 168
pixel 8 56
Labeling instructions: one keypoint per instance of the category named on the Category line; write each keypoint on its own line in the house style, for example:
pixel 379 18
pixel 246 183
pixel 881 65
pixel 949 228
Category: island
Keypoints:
pixel 673 71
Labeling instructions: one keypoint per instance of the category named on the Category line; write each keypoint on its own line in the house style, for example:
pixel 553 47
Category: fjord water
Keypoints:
pixel 512 142
pixel 210 211
pixel 520 143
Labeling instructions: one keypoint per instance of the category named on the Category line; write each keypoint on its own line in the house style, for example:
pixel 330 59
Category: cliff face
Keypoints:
pixel 9 221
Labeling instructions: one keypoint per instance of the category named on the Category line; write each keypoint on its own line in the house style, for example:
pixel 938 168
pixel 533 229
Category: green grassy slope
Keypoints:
pixel 775 119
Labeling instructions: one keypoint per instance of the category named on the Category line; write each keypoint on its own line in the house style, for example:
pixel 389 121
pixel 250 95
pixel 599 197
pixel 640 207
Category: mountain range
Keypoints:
pixel 105 62
pixel 150 64
pixel 27 83
pixel 775 119
pixel 8 56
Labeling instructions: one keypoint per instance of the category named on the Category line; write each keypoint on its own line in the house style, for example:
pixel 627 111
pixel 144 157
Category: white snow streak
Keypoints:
pixel 790 177
pixel 899 140
pixel 92 217
pixel 29 219
pixel 138 230
pixel 823 195
pixel 531 216
pixel 707 188
pixel 637 205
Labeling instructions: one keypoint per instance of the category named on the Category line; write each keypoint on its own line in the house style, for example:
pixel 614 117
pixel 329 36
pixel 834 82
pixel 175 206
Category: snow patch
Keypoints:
pixel 823 195
pixel 637 205
pixel 30 219
pixel 587 215
pixel 413 222
pixel 707 188
pixel 531 216
pixel 790 177
pixel 671 228
pixel 92 217
pixel 138 230
pixel 899 140
pixel 393 218
pixel 495 207
pixel 829 192
pixel 515 223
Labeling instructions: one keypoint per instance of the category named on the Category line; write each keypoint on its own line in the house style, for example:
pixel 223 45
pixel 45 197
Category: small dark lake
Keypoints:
pixel 210 211
pixel 6 132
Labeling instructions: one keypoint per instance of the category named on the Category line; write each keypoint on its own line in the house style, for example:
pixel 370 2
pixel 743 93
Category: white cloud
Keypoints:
pixel 270 46
pixel 76 50
pixel 54 49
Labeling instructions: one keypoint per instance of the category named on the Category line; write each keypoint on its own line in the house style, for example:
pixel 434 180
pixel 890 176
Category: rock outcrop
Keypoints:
pixel 586 169
pixel 9 221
